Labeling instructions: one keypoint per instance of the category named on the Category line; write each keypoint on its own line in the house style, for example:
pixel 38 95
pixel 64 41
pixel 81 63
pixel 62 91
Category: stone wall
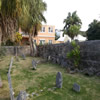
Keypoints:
pixel 90 54
pixel 20 49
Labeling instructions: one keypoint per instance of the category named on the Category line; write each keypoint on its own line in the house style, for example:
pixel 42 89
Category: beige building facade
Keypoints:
pixel 45 36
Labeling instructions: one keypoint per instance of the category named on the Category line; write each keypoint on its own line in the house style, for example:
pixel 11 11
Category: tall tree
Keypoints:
pixel 93 32
pixel 27 14
pixel 72 24
pixel 33 16
pixel 9 12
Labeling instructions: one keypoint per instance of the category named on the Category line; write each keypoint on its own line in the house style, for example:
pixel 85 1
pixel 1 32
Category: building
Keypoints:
pixel 66 38
pixel 45 36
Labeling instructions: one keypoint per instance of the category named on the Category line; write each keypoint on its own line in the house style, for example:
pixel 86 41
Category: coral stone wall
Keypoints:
pixel 10 50
pixel 90 54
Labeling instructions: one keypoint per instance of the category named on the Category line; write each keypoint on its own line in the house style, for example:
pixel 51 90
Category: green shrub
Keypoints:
pixel 8 43
pixel 74 55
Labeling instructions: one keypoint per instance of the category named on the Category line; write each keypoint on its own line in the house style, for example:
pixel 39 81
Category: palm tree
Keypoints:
pixel 9 12
pixel 72 24
pixel 33 17
pixel 27 14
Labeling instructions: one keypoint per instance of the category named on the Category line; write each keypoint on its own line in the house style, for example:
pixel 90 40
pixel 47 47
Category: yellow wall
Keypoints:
pixel 43 35
pixel 46 35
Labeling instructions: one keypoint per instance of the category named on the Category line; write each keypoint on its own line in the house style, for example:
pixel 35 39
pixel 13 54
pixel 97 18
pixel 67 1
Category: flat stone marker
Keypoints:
pixel 59 80
pixel 76 87
pixel 22 96
pixel 34 64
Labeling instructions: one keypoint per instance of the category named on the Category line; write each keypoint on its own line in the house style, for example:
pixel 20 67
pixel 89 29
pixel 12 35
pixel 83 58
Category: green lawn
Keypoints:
pixel 42 81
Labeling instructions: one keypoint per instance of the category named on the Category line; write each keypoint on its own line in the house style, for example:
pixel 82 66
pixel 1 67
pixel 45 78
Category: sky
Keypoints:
pixel 57 11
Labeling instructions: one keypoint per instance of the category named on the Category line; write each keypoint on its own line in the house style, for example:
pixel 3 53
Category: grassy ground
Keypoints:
pixel 42 81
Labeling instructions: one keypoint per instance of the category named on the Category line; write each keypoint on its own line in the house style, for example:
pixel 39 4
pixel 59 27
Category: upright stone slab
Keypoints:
pixel 59 80
pixel 34 64
pixel 9 80
pixel 22 96
pixel 10 87
pixel 23 56
pixel 49 58
pixel 76 87
pixel 0 82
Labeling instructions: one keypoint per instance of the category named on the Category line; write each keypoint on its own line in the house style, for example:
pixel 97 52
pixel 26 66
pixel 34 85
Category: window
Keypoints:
pixel 50 41
pixel 50 29
pixel 43 29
pixel 35 41
pixel 42 42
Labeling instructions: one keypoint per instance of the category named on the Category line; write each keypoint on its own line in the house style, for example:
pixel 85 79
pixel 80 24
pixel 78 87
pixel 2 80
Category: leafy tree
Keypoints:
pixel 18 38
pixel 56 36
pixel 83 33
pixel 93 32
pixel 33 17
pixel 9 12
pixel 72 25
pixel 74 54
pixel 27 14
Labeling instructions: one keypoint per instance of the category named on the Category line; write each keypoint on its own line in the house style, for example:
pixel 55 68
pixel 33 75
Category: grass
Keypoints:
pixel 42 81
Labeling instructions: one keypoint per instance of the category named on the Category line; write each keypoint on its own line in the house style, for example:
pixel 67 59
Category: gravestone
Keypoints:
pixel 76 87
pixel 22 96
pixel 1 82
pixel 34 64
pixel 10 87
pixel 49 58
pixel 68 70
pixel 9 80
pixel 59 80
pixel 23 56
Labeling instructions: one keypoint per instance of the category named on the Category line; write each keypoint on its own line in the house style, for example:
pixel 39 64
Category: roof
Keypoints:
pixel 80 38
pixel 66 38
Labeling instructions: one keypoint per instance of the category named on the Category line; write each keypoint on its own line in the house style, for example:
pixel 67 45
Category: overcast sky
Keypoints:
pixel 57 11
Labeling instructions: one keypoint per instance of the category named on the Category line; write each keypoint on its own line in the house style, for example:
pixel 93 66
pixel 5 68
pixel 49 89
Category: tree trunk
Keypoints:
pixel 0 30
pixel 0 36
pixel 31 45
pixel 8 27
pixel 35 48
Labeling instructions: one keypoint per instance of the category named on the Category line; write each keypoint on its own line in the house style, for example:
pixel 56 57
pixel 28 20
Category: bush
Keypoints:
pixel 8 43
pixel 93 32
pixel 74 55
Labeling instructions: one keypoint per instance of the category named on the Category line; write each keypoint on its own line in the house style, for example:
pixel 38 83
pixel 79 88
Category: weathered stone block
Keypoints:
pixel 59 80
pixel 76 87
